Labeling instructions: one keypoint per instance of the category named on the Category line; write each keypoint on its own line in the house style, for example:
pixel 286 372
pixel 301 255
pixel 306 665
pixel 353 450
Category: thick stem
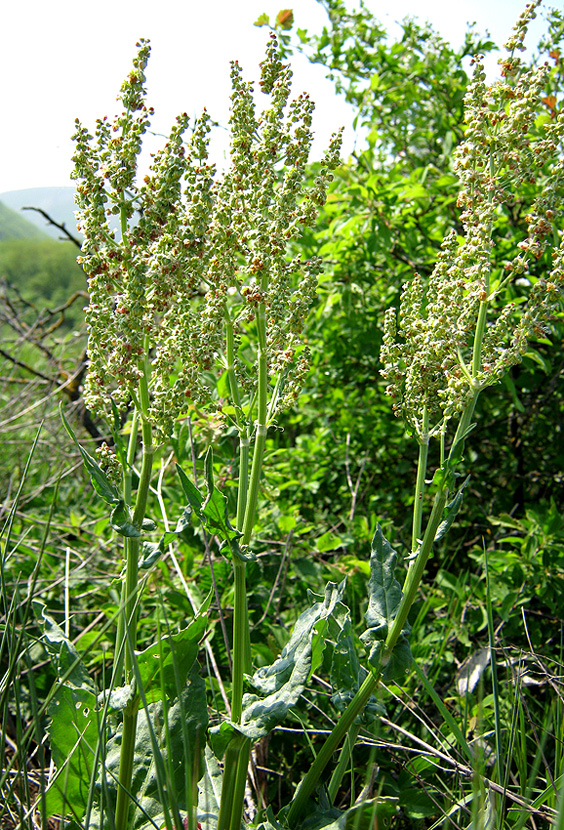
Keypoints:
pixel 420 483
pixel 346 721
pixel 240 632
pixel 127 630
pixel 232 798
pixel 261 424
pixel 127 753
pixel 242 426
pixel 235 767
pixel 415 573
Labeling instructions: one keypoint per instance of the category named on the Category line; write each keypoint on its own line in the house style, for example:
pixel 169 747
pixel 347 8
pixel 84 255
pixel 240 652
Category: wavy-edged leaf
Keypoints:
pixel 367 815
pixel 281 684
pixel 451 511
pixel 347 674
pixel 384 593
pixel 122 521
pixel 152 551
pixel 67 660
pixel 211 510
pixel 73 736
pixel 168 758
pixel 165 665
pixel 209 791
pixel 73 729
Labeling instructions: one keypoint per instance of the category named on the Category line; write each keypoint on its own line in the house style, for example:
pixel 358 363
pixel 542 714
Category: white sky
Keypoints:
pixel 67 58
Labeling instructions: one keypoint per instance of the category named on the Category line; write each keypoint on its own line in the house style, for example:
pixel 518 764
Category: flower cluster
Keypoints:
pixel 197 252
pixel 459 333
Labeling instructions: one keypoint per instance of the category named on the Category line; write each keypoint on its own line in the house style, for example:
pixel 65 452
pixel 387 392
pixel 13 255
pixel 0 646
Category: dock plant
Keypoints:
pixel 196 302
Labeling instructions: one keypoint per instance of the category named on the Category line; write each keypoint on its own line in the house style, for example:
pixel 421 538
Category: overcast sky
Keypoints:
pixel 65 59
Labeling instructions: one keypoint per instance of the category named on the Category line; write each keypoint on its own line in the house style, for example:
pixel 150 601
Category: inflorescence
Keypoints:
pixel 196 249
pixel 458 333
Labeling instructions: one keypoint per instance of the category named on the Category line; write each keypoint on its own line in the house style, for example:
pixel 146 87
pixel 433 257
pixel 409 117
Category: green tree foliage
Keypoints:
pixel 384 221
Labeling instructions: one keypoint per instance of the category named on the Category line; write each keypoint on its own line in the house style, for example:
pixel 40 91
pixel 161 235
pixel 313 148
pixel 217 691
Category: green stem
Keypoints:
pixel 242 426
pixel 127 754
pixel 423 440
pixel 415 573
pixel 261 430
pixel 417 566
pixel 231 808
pixel 127 629
pixel 235 767
pixel 346 721
pixel 131 449
pixel 479 338
pixel 240 632
pixel 345 757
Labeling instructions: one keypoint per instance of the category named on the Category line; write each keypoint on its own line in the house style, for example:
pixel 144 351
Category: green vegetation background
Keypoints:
pixel 340 461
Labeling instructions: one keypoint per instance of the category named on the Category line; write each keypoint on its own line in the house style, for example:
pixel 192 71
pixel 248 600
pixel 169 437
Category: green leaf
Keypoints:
pixel 281 684
pixel 73 731
pixel 169 756
pixel 262 20
pixel 347 674
pixel 212 511
pixel 195 498
pixel 221 736
pixel 164 666
pixel 122 521
pixel 117 698
pixel 99 480
pixel 214 507
pixel 209 791
pixel 451 511
pixel 373 812
pixel 64 655
pixel 328 541
pixel 152 551
pixel 119 443
pixel 73 736
pixel 384 593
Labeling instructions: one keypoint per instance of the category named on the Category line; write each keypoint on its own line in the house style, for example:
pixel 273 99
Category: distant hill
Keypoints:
pixel 57 202
pixel 14 226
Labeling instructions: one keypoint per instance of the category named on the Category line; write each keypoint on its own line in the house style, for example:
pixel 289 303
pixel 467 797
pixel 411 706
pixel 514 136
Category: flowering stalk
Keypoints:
pixel 199 268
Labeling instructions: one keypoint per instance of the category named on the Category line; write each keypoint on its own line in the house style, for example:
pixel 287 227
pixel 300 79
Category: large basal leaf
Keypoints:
pixel 209 791
pixel 64 655
pixel 73 729
pixel 73 737
pixel 368 815
pixel 347 674
pixel 168 759
pixel 281 684
pixel 384 593
pixel 165 665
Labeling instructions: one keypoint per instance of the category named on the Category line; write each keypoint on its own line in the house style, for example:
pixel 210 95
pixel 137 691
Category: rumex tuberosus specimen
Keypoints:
pixel 200 269
pixel 199 266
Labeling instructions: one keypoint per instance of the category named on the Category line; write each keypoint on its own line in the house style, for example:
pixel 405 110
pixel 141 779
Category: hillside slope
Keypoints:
pixel 14 226
pixel 58 202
